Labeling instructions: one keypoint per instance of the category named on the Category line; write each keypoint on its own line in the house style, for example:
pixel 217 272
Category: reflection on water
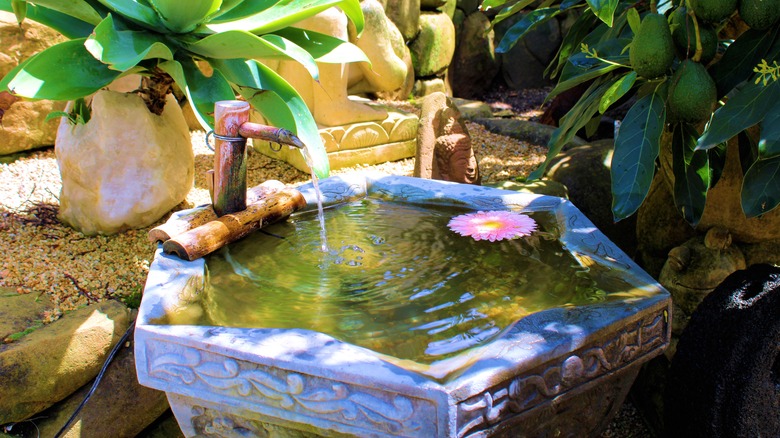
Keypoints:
pixel 395 279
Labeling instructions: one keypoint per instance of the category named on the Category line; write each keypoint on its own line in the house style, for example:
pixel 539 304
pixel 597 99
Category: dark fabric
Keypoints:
pixel 724 379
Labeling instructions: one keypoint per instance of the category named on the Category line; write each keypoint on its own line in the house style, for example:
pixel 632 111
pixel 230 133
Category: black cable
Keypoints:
pixel 97 380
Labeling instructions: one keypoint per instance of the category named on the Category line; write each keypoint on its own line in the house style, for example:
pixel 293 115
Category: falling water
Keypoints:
pixel 320 212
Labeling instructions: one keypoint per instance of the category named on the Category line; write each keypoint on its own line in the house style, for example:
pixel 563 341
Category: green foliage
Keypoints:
pixel 729 92
pixel 759 14
pixel 78 115
pixel 114 38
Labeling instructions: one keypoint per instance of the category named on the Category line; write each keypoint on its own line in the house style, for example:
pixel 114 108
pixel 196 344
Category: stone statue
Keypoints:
pixel 444 149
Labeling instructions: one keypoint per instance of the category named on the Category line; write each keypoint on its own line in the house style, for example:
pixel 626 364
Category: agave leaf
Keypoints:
pixel 604 9
pixel 573 121
pixel 742 55
pixel 284 14
pixel 691 173
pixel 324 48
pixel 525 25
pixel 79 74
pixel 761 187
pixel 636 148
pixel 136 12
pixel 202 91
pixel 78 9
pixel 746 106
pixel 68 26
pixel 184 16
pixel 232 10
pixel 278 102
pixel 769 141
pixel 237 44
pixel 124 49
pixel 617 90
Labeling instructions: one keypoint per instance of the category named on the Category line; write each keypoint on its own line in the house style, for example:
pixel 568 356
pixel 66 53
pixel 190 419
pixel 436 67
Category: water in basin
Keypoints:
pixel 396 280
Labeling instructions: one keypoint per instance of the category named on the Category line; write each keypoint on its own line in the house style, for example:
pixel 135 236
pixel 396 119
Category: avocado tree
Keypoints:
pixel 700 72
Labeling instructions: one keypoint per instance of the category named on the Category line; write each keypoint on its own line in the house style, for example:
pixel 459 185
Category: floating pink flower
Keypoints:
pixel 493 225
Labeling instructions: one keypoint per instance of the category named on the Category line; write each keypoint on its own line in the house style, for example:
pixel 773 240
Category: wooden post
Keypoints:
pixel 229 157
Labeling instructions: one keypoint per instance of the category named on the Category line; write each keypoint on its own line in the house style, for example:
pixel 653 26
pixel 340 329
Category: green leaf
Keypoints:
pixel 122 50
pixel 202 91
pixel 20 10
pixel 65 71
pixel 636 148
pixel 232 10
pixel 493 4
pixel 582 68
pixel 184 16
pixel 746 106
pixel 278 102
pixel 691 173
pixel 68 26
pixel 136 12
pixel 769 140
pixel 238 44
pixel 604 9
pixel 571 42
pixel 324 48
pixel 525 25
pixel 510 11
pixel 742 55
pixel 634 20
pixel 617 90
pixel 285 14
pixel 761 187
pixel 78 9
pixel 573 121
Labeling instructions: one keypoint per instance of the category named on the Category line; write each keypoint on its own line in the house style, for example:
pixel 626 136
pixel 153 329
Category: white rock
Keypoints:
pixel 125 168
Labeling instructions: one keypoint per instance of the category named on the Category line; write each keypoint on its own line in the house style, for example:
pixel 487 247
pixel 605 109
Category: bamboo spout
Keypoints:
pixel 269 133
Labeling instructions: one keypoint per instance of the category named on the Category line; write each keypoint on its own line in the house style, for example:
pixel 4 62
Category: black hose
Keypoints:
pixel 97 380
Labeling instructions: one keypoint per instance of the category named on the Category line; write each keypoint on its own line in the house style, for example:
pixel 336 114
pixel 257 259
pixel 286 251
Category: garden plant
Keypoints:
pixel 697 71
pixel 169 42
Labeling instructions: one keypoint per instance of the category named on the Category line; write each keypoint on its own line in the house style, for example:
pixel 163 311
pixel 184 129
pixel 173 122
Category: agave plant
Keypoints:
pixel 737 86
pixel 169 41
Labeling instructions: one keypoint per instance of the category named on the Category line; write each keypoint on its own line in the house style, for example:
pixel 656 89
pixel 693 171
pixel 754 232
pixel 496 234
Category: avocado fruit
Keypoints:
pixel 692 93
pixel 684 36
pixel 759 14
pixel 652 50
pixel 713 11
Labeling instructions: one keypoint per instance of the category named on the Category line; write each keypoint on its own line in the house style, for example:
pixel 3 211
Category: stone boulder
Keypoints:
pixel 406 16
pixel 474 63
pixel 525 130
pixel 24 124
pixel 22 313
pixel 524 64
pixel 126 167
pixel 444 149
pixel 53 361
pixel 434 46
pixel 119 407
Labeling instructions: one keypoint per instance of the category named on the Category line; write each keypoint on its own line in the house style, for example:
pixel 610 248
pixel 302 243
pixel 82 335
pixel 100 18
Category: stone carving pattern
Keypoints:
pixel 308 395
pixel 337 193
pixel 515 396
pixel 594 244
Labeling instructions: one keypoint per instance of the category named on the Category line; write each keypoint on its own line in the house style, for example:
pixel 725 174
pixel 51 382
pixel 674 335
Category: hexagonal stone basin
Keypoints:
pixel 405 328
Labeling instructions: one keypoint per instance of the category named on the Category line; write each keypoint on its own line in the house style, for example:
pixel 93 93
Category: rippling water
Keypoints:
pixel 395 279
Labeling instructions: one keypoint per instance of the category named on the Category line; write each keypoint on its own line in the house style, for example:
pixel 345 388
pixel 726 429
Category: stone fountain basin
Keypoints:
pixel 562 371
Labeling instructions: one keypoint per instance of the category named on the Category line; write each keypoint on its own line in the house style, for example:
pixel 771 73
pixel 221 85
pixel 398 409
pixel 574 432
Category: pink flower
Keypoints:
pixel 492 225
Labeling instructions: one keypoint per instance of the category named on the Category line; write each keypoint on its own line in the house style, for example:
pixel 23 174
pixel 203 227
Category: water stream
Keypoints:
pixel 315 182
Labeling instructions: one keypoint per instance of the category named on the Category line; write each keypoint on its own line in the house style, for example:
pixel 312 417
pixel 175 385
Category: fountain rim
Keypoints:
pixel 541 333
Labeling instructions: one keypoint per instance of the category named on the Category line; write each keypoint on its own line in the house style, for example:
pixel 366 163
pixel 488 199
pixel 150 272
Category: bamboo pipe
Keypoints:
pixel 211 236
pixel 229 156
pixel 203 214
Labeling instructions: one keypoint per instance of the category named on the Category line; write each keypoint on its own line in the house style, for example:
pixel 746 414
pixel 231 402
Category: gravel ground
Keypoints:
pixel 44 257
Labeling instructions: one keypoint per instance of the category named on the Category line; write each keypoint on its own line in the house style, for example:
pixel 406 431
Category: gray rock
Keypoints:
pixel 523 66
pixel 434 46
pixel 474 63
pixel 53 361
pixel 406 16
pixel 472 109
pixel 119 407
pixel 532 132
